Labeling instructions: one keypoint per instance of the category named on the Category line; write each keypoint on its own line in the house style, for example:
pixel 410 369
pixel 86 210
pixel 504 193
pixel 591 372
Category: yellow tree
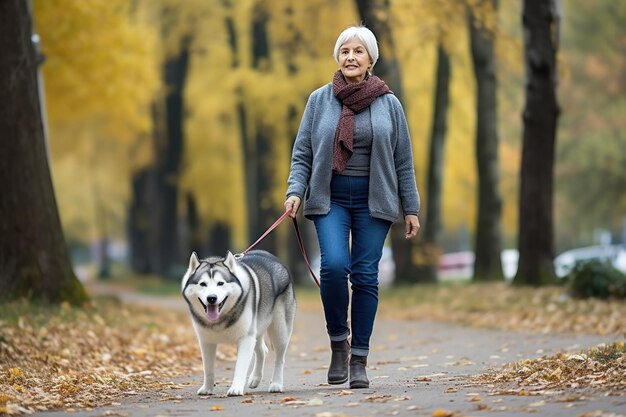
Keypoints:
pixel 267 62
pixel 439 26
pixel 99 81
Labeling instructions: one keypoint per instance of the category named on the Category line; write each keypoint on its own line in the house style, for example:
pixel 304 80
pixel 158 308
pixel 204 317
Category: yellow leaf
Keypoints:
pixel 442 413
pixel 217 408
pixel 288 399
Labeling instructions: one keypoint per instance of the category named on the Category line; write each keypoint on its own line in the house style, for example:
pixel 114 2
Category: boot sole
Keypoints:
pixel 359 384
pixel 338 381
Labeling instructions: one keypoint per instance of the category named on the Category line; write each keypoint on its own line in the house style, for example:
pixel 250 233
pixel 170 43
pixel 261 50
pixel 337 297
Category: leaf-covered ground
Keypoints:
pixel 66 357
pixel 502 306
pixel 603 366
pixel 63 357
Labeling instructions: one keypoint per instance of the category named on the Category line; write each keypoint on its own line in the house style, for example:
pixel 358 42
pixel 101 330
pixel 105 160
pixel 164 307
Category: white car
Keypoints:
pixel 460 265
pixel 613 254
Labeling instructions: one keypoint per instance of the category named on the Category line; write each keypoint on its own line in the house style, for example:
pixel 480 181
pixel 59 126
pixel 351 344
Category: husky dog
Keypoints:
pixel 237 300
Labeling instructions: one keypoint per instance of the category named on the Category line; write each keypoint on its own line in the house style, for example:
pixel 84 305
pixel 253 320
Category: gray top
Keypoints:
pixel 359 163
pixel 392 188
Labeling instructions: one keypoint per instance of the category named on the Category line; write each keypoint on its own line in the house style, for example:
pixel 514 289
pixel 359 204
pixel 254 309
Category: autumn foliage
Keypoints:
pixel 102 75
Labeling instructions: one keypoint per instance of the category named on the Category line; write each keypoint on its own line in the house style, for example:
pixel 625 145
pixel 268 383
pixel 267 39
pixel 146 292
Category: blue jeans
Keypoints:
pixel 349 214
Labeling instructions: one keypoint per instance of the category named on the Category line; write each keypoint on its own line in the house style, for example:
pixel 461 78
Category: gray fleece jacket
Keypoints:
pixel 392 177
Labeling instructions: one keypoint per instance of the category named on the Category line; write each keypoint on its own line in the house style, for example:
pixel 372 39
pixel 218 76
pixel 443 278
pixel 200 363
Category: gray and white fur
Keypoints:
pixel 237 300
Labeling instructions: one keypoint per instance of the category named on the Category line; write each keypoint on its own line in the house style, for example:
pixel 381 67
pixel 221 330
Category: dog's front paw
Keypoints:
pixel 234 391
pixel 204 390
pixel 254 382
pixel 276 387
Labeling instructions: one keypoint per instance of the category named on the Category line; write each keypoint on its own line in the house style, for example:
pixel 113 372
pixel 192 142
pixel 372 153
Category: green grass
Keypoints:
pixel 608 353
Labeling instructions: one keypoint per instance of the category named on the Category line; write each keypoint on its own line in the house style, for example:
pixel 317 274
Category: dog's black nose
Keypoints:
pixel 211 299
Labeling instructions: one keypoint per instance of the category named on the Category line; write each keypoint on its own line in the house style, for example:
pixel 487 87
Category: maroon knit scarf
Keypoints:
pixel 355 97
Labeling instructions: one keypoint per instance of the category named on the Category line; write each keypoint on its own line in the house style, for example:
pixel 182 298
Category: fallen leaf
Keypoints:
pixel 288 399
pixel 378 398
pixel 442 413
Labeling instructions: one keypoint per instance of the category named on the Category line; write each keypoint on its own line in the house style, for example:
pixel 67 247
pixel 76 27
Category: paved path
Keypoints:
pixel 415 369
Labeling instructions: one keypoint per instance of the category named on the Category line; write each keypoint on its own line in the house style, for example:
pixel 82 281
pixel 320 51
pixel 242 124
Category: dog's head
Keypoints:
pixel 211 287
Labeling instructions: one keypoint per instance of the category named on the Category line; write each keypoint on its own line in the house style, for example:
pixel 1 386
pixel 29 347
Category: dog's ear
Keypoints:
pixel 193 261
pixel 230 261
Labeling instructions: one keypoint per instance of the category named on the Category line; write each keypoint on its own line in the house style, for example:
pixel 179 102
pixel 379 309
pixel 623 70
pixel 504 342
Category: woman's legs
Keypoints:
pixel 333 233
pixel 368 238
pixel 349 215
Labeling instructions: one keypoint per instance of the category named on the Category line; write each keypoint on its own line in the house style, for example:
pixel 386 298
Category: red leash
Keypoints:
pixel 300 243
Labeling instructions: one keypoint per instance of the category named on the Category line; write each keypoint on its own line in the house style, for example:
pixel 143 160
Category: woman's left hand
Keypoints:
pixel 412 225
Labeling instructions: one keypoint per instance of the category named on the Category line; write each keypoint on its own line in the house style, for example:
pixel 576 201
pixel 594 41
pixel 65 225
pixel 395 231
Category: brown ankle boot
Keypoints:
pixel 338 368
pixel 358 375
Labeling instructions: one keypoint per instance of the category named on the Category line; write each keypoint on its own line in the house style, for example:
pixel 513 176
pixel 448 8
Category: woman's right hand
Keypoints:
pixel 292 203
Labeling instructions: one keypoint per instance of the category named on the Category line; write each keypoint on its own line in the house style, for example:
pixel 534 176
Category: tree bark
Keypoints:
pixel 34 260
pixel 488 243
pixel 541 27
pixel 431 236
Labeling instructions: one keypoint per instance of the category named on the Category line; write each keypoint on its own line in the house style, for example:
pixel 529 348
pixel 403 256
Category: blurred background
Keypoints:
pixel 170 124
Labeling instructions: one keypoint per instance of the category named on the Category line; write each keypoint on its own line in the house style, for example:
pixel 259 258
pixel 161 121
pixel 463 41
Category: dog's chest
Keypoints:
pixel 227 331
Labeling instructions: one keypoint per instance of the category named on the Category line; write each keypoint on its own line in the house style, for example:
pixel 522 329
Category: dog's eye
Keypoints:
pixel 219 284
pixel 203 284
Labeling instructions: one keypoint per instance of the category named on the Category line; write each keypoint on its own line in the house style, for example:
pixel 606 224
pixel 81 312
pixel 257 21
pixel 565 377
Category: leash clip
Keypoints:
pixel 238 256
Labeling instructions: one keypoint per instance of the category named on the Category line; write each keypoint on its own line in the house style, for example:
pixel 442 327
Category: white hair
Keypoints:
pixel 364 35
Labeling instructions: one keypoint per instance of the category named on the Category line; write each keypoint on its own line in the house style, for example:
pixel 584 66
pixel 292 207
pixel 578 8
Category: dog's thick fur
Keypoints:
pixel 237 300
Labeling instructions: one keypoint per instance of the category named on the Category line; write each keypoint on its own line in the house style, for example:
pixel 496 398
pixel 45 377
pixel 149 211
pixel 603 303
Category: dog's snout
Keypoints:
pixel 211 299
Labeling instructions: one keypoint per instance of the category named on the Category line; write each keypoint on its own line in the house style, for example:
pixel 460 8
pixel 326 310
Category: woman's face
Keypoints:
pixel 354 61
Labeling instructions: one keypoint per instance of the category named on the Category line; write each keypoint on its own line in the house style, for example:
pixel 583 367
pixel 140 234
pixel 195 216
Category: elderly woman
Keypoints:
pixel 352 164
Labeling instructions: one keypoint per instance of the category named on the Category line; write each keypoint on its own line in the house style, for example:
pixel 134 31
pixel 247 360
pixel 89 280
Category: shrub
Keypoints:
pixel 597 279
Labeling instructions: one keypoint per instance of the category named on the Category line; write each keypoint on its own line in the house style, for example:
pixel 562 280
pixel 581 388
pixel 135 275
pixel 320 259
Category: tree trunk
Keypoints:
pixel 141 224
pixel 34 260
pixel 170 156
pixel 488 244
pixel 154 217
pixel 375 15
pixel 267 210
pixel 195 237
pixel 256 149
pixel 431 236
pixel 541 28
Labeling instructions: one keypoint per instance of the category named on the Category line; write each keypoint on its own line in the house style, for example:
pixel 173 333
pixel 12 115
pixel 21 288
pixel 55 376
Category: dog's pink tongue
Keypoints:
pixel 212 312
